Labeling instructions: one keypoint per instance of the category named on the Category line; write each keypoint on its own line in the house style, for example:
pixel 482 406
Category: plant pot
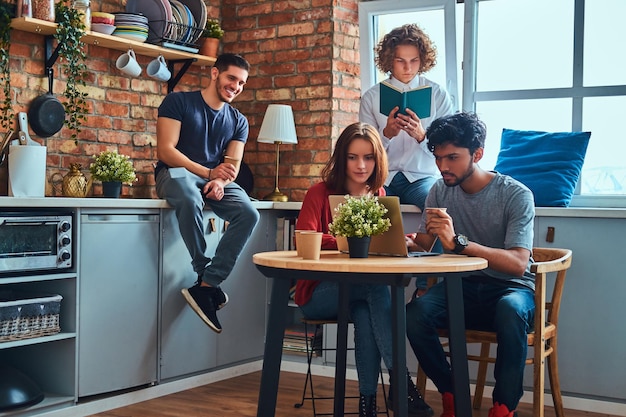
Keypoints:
pixel 111 189
pixel 209 47
pixel 359 247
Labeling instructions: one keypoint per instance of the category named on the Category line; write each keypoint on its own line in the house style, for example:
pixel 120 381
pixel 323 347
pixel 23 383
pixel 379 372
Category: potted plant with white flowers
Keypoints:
pixel 357 219
pixel 113 170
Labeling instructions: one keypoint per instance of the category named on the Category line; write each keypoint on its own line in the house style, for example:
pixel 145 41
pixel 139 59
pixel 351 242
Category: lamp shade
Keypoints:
pixel 278 125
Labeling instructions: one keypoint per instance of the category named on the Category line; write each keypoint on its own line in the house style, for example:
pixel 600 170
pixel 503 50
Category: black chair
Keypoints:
pixel 308 382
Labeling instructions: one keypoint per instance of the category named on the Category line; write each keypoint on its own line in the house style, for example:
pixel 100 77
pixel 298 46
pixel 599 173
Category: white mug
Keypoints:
pixel 127 63
pixel 157 69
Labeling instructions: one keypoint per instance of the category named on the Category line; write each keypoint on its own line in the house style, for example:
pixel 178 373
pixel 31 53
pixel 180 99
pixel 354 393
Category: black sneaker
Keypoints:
pixel 221 297
pixel 205 301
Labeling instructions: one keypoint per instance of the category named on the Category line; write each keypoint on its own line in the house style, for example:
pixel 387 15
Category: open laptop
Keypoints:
pixel 390 243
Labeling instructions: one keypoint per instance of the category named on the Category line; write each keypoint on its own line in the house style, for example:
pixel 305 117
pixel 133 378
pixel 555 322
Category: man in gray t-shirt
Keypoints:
pixel 477 213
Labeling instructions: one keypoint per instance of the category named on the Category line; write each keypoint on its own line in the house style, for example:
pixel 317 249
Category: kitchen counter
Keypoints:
pixel 98 202
pixel 145 203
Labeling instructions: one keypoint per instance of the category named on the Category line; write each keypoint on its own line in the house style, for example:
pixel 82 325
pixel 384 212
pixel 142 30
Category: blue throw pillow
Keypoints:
pixel 547 163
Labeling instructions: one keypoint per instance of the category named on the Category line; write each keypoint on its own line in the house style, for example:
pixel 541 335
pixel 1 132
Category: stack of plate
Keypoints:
pixel 133 26
pixel 156 13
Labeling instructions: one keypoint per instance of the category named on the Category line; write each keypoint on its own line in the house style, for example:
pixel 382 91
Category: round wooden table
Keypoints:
pixel 397 272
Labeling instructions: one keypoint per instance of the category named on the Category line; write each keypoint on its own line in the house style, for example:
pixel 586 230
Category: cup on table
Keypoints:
pixel 157 69
pixel 127 63
pixel 297 239
pixel 309 244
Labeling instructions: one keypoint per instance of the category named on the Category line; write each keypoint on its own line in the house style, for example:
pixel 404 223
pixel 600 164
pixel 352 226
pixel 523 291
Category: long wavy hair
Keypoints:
pixel 409 34
pixel 334 173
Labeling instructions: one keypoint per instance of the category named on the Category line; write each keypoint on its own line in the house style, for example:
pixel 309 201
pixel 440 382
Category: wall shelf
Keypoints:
pixel 173 56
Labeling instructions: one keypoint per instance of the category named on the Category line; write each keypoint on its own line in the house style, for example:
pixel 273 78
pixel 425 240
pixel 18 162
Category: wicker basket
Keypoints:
pixel 24 315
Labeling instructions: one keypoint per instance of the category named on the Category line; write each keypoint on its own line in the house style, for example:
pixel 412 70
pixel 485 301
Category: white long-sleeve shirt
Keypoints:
pixel 405 154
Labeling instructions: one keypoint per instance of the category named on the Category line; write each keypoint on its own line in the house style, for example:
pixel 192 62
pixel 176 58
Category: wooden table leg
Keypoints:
pixel 272 355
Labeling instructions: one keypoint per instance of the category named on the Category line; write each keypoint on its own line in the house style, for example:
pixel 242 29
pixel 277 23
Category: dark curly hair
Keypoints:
pixel 409 34
pixel 463 130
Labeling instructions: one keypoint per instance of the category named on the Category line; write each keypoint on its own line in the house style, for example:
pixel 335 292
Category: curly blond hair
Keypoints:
pixel 409 34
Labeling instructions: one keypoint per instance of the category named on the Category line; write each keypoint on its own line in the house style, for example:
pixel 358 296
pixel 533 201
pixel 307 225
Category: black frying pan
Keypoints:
pixel 46 113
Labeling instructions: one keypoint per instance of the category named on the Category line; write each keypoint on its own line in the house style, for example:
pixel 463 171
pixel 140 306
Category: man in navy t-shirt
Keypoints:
pixel 200 145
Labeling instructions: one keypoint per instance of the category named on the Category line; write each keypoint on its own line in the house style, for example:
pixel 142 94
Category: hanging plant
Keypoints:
pixel 71 49
pixel 6 106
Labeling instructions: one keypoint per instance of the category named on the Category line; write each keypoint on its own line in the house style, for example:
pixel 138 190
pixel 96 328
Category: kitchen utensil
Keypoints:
pixel 5 142
pixel 23 119
pixel 46 112
pixel 22 138
pixel 17 389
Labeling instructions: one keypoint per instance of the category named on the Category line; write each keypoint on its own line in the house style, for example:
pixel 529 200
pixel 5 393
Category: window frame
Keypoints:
pixel 368 10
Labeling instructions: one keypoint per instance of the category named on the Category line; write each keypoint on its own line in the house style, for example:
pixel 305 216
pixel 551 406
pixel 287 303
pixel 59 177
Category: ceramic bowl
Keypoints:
pixel 102 28
pixel 103 18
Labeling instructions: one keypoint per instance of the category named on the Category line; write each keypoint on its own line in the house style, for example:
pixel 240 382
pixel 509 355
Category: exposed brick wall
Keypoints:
pixel 302 53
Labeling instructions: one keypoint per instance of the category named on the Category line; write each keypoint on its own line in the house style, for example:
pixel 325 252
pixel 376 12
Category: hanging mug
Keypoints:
pixel 127 63
pixel 158 70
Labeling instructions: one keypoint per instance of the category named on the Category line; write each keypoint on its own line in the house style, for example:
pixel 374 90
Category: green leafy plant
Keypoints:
pixel 111 166
pixel 212 29
pixel 359 217
pixel 71 49
pixel 6 106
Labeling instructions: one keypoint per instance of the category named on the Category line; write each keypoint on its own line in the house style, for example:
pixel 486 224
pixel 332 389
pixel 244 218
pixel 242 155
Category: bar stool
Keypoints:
pixel 308 381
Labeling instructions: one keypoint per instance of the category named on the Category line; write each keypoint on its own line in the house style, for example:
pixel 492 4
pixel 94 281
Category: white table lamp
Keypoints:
pixel 278 127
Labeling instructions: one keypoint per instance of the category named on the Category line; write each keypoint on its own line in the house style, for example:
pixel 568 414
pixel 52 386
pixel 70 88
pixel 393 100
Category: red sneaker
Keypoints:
pixel 500 410
pixel 448 404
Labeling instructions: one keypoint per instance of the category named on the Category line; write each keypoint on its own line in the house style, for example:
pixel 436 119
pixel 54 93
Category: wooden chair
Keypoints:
pixel 543 339
pixel 308 382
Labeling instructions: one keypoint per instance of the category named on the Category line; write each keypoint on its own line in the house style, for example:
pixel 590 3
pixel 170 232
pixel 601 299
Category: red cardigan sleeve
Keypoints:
pixel 315 214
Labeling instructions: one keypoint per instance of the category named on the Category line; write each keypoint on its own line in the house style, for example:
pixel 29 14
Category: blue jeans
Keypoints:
pixel 183 191
pixel 370 310
pixel 413 193
pixel 509 311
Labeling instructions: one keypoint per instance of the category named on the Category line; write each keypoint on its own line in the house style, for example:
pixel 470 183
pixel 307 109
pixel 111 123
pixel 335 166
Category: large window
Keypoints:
pixel 435 17
pixel 532 65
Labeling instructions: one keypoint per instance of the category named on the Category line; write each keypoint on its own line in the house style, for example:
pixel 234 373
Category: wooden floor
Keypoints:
pixel 237 397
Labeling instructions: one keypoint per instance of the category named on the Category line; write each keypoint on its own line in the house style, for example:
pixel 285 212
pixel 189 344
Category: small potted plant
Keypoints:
pixel 112 169
pixel 212 33
pixel 359 218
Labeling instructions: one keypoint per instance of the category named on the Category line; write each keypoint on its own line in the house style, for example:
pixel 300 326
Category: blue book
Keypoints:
pixel 418 99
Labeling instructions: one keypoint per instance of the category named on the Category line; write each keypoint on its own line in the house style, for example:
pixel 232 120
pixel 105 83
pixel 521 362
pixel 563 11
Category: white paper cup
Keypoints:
pixel 157 69
pixel 310 244
pixel 127 63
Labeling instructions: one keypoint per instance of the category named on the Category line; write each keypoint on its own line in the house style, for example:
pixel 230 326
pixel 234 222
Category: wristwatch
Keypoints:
pixel 461 242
